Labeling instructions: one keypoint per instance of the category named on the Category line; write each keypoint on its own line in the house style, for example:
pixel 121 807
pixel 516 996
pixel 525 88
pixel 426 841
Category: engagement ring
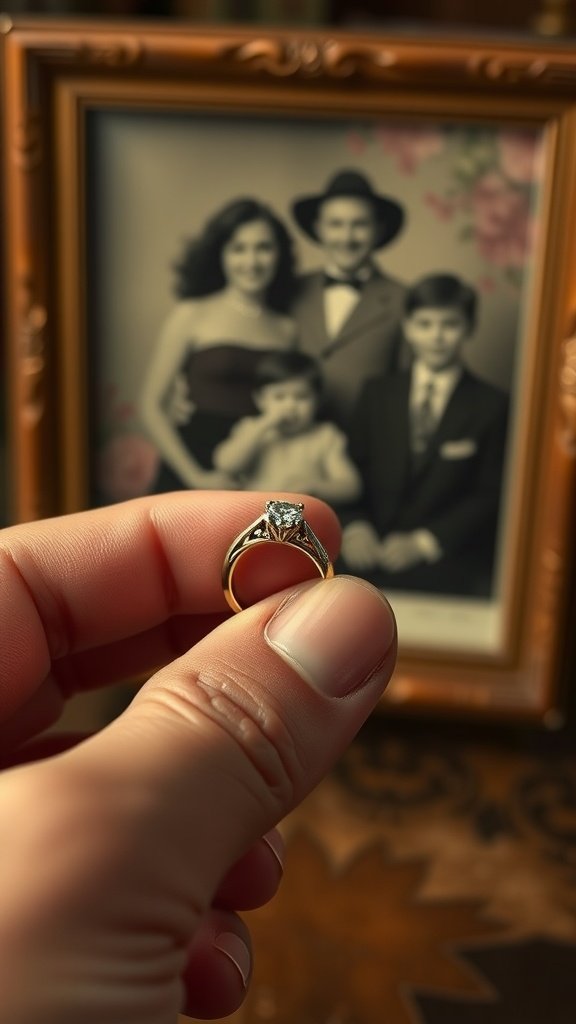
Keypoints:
pixel 282 523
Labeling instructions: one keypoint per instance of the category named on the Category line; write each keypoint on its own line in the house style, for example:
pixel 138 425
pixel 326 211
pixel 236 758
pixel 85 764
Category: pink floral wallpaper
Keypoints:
pixel 488 192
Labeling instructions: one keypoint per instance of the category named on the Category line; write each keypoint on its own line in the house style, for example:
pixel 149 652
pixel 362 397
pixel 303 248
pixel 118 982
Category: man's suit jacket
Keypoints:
pixel 453 490
pixel 367 344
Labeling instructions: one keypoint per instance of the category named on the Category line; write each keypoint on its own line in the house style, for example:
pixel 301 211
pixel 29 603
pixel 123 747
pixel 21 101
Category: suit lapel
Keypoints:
pixel 313 306
pixel 457 405
pixel 396 462
pixel 449 424
pixel 367 311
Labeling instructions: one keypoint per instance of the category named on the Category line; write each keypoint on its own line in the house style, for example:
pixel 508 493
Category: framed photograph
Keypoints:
pixel 330 263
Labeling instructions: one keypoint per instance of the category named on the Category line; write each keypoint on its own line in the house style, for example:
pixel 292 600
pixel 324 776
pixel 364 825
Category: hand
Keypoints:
pixel 272 424
pixel 180 407
pixel 399 551
pixel 360 546
pixel 125 857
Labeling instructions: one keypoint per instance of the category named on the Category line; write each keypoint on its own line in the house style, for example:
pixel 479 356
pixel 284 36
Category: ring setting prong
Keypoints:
pixel 284 519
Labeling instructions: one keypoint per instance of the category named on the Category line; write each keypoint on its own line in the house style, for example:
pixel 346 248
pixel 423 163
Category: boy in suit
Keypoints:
pixel 430 443
pixel 348 312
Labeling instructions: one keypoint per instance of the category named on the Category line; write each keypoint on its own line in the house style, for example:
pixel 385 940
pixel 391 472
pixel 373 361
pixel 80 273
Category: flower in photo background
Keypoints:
pixel 127 460
pixel 503 225
pixel 409 147
pixel 127 467
pixel 443 208
pixel 489 178
pixel 357 142
pixel 486 284
pixel 520 157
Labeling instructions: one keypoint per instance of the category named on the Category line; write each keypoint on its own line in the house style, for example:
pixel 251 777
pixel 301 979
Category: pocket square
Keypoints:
pixel 461 449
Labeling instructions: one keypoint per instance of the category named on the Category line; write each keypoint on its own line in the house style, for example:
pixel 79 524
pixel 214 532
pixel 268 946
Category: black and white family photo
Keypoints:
pixel 324 308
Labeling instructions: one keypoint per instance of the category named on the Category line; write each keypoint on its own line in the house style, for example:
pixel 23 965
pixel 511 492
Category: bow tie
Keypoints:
pixel 352 282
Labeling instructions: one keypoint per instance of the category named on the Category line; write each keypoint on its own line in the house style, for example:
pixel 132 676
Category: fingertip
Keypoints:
pixel 219 967
pixel 255 878
pixel 275 842
pixel 236 951
pixel 335 635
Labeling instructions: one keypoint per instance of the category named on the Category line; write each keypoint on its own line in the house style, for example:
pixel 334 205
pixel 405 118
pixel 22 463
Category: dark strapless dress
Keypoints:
pixel 221 383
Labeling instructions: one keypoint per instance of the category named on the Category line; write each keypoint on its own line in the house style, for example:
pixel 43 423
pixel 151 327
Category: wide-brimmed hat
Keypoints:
pixel 389 213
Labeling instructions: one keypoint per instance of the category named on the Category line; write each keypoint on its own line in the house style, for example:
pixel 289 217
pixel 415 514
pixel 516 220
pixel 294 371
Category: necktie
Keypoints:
pixel 353 282
pixel 423 420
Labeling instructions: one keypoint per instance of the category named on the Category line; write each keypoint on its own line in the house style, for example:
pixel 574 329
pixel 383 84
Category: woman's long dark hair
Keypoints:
pixel 199 272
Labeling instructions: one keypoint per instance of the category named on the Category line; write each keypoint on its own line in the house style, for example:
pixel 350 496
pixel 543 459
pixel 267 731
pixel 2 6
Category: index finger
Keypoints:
pixel 80 581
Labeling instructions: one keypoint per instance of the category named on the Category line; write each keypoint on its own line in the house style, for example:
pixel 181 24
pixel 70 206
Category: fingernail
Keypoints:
pixel 275 843
pixel 335 634
pixel 237 951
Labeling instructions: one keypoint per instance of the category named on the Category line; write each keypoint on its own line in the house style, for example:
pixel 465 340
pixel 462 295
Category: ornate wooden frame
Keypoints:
pixel 54 71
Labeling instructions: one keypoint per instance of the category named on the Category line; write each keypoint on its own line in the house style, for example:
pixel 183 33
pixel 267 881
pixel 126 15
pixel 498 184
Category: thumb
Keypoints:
pixel 228 738
pixel 133 831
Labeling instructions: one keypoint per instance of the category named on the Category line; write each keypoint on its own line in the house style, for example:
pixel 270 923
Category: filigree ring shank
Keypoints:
pixel 282 523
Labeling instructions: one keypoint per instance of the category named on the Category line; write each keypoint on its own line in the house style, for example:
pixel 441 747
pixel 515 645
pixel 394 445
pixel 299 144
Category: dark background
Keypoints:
pixel 551 17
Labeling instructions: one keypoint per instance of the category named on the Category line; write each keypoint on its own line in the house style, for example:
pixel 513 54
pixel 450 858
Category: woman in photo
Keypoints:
pixel 234 283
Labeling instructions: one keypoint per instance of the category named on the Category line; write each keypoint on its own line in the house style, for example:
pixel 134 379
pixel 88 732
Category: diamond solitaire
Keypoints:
pixel 284 515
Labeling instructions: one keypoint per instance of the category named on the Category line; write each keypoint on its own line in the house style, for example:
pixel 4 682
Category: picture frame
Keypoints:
pixel 81 99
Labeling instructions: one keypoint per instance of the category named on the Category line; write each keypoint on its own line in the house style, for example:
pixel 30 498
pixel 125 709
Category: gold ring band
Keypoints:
pixel 282 523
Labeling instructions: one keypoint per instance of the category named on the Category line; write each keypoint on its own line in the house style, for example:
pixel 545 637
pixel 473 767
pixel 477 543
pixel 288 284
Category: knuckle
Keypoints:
pixel 265 756
pixel 42 598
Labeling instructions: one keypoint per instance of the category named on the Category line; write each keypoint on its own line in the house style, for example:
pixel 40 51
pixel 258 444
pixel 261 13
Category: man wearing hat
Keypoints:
pixel 348 313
